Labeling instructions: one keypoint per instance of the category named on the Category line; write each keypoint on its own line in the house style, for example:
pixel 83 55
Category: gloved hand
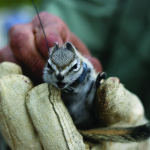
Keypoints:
pixel 35 118
pixel 28 45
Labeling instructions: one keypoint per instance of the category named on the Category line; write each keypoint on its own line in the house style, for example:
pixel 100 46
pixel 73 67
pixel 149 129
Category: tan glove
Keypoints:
pixel 35 118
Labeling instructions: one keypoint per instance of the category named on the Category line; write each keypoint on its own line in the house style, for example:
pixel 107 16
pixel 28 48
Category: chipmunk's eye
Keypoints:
pixel 49 67
pixel 75 66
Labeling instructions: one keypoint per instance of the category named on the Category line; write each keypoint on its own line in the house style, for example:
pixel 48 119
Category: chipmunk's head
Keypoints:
pixel 64 66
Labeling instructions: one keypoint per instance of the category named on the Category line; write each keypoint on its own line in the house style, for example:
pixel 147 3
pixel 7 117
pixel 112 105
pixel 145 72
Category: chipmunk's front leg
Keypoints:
pixel 96 84
pixel 100 76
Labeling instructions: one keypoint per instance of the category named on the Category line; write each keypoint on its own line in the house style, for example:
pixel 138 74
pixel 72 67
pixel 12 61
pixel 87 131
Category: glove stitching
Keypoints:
pixel 57 114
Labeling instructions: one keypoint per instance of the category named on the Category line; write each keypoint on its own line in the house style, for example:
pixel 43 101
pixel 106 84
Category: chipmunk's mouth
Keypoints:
pixel 61 85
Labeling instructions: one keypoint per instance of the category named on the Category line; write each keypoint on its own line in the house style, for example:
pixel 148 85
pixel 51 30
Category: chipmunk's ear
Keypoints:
pixel 55 48
pixel 56 45
pixel 70 47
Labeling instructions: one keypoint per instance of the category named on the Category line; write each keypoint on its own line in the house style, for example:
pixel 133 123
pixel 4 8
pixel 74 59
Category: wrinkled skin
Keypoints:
pixel 28 47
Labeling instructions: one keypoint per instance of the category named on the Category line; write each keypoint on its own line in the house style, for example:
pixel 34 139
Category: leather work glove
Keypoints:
pixel 28 45
pixel 35 118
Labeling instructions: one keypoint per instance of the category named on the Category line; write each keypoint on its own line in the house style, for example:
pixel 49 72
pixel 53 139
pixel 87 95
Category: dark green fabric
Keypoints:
pixel 117 33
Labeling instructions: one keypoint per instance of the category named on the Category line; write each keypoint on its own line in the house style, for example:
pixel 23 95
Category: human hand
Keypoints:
pixel 36 118
pixel 28 45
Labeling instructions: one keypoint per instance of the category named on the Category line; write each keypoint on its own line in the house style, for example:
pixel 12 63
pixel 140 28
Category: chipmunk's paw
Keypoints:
pixel 100 76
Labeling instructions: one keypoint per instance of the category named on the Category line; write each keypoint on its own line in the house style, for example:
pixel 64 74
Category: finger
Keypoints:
pixel 51 38
pixel 22 42
pixel 8 68
pixel 51 119
pixel 55 31
pixel 97 65
pixel 79 45
pixel 6 54
pixel 16 125
pixel 117 97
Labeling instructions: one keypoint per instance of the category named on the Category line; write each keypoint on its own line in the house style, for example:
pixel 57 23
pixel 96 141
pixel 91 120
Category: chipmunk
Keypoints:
pixel 75 76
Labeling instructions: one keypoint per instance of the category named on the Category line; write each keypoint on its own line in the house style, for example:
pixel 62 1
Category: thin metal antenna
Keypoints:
pixel 40 23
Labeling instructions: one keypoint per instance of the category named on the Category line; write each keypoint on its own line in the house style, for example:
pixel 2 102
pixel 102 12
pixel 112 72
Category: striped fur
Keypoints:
pixel 122 135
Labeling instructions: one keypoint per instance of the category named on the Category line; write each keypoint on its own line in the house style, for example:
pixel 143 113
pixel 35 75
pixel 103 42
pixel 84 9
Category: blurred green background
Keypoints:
pixel 17 3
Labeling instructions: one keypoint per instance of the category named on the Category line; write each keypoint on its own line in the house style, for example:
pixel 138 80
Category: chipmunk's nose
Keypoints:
pixel 59 77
